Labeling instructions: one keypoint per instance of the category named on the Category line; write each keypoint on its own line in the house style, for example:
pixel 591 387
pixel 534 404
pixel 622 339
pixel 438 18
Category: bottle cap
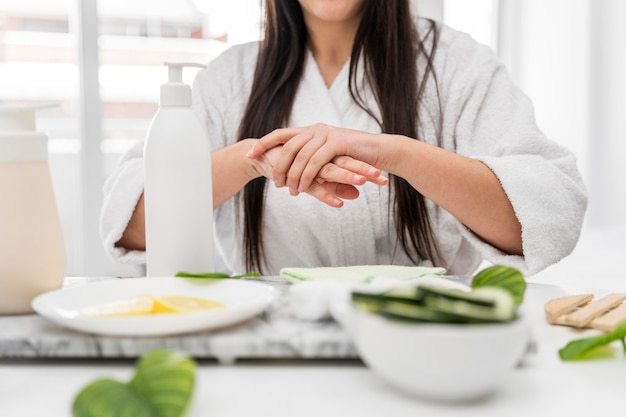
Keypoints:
pixel 175 92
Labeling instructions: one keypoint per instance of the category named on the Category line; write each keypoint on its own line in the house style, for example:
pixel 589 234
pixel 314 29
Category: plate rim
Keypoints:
pixel 200 321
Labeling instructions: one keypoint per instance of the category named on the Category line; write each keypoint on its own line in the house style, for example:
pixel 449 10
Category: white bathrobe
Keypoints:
pixel 485 116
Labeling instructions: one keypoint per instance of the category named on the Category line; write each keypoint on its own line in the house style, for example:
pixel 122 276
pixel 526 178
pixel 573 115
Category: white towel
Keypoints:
pixel 359 273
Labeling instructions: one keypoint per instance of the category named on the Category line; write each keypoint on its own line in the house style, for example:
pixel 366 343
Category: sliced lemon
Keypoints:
pixel 133 306
pixel 183 304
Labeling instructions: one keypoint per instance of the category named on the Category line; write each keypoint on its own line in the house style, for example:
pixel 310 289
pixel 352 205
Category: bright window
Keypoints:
pixel 476 17
pixel 39 63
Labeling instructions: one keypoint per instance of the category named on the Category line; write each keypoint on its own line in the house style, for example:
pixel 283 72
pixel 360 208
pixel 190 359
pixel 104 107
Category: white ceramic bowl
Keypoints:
pixel 442 362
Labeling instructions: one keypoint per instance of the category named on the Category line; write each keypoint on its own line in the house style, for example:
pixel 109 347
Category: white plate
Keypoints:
pixel 243 300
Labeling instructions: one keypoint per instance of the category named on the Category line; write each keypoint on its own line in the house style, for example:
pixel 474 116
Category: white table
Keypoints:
pixel 541 386
pixel 324 389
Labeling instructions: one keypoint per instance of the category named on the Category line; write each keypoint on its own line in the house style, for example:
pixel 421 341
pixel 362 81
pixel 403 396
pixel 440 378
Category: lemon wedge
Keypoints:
pixel 133 306
pixel 148 304
pixel 183 304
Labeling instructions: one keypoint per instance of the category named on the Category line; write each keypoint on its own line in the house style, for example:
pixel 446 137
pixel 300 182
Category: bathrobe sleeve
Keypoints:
pixel 122 191
pixel 486 117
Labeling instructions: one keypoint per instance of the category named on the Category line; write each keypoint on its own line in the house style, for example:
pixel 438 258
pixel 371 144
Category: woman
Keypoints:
pixel 340 93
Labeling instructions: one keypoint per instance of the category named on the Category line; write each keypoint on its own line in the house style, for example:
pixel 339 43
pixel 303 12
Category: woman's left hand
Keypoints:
pixel 307 149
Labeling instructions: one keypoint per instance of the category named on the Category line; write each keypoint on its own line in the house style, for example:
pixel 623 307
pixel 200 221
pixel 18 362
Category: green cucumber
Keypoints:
pixel 428 292
pixel 495 294
pixel 417 313
pixel 427 303
pixel 483 304
pixel 372 301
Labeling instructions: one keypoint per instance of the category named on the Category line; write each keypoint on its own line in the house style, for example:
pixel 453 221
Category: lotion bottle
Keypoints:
pixel 178 193
pixel 32 249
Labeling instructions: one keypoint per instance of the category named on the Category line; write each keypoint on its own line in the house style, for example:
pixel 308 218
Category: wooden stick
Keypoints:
pixel 583 316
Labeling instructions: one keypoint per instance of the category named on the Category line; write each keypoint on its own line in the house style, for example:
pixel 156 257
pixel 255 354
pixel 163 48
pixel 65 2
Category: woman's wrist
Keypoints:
pixel 397 156
pixel 251 170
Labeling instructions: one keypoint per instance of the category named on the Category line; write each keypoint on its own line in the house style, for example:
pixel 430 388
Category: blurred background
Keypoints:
pixel 102 62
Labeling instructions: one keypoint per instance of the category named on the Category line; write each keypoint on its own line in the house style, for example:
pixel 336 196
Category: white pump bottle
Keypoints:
pixel 178 189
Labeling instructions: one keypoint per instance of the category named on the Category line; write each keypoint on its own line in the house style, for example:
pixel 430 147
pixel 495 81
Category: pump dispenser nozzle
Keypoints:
pixel 175 92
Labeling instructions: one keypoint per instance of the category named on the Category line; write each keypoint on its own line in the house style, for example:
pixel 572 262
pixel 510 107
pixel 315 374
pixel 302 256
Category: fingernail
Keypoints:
pixel 337 202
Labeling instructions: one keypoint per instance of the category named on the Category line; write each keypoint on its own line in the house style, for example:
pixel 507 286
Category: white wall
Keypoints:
pixel 607 112
pixel 569 56
pixel 549 58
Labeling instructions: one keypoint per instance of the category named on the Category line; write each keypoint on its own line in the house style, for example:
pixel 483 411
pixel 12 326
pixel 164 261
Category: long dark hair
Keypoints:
pixel 390 45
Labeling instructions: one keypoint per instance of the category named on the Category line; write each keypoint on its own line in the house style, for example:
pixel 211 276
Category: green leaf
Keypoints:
pixel 580 348
pixel 162 386
pixel 218 275
pixel 506 277
pixel 215 275
pixel 110 398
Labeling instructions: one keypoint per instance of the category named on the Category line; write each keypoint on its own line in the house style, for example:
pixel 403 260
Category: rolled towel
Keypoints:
pixel 359 273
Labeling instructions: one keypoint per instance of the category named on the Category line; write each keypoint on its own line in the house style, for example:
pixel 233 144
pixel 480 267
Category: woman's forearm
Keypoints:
pixel 134 236
pixel 465 187
pixel 232 170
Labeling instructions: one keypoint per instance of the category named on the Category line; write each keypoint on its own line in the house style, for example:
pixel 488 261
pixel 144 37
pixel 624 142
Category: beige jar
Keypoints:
pixel 32 251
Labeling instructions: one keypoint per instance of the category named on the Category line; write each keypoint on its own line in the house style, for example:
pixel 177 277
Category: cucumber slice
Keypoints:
pixel 373 301
pixel 485 304
pixel 471 297
pixel 417 313
pixel 434 304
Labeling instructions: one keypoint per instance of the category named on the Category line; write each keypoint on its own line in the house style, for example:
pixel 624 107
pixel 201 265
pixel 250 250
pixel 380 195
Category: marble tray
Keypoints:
pixel 273 335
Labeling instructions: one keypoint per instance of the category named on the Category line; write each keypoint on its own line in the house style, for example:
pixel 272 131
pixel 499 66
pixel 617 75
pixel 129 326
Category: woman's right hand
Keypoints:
pixel 336 181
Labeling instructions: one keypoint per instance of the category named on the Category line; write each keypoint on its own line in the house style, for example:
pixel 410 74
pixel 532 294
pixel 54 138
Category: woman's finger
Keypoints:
pixel 332 193
pixel 371 173
pixel 284 163
pixel 272 139
pixel 325 193
pixel 308 170
pixel 302 160
pixel 333 173
pixel 345 191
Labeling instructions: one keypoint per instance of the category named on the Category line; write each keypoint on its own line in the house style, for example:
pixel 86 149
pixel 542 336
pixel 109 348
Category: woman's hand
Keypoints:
pixel 336 180
pixel 312 152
